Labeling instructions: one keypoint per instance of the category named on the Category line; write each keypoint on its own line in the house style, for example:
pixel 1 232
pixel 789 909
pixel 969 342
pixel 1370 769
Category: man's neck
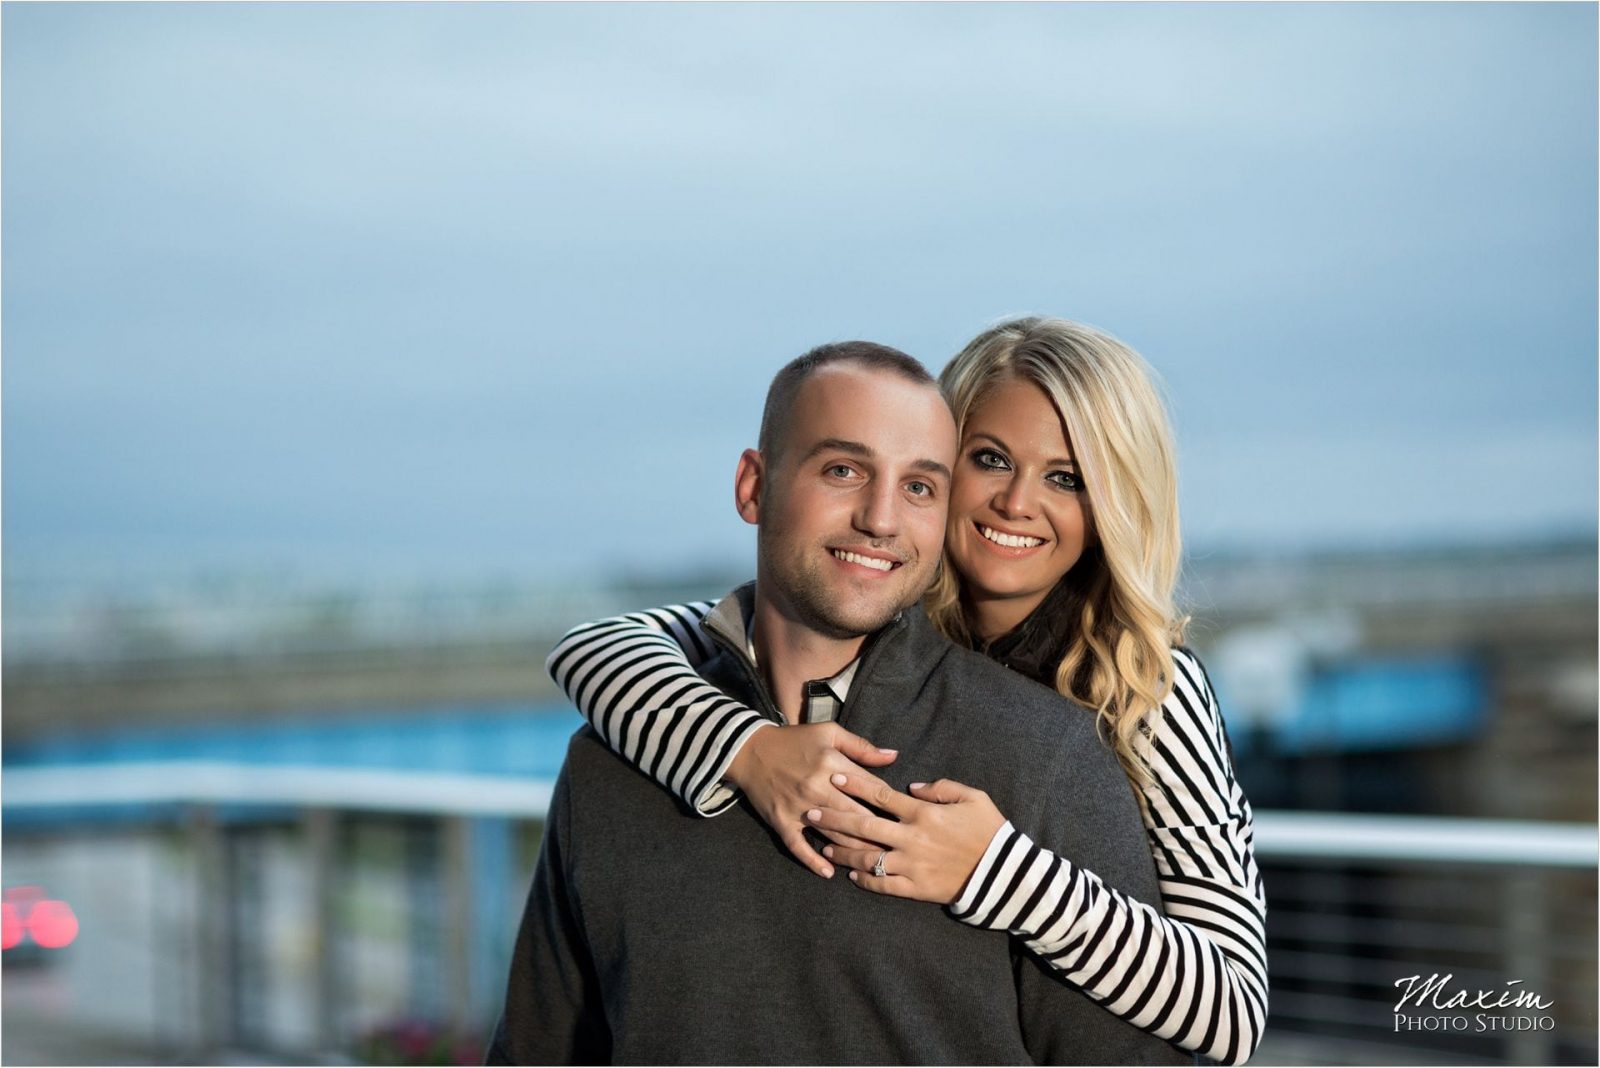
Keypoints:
pixel 791 654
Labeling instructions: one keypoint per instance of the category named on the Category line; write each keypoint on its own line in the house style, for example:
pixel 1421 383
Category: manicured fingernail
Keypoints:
pixel 814 814
pixel 837 780
pixel 827 873
pixel 827 851
pixel 853 878
pixel 918 785
pixel 881 749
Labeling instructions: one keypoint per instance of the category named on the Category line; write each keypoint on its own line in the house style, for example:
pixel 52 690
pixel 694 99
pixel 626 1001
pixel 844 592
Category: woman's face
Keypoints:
pixel 1019 516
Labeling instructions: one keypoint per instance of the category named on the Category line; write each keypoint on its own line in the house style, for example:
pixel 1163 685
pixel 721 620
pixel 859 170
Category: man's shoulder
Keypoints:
pixel 587 746
pixel 991 674
pixel 593 768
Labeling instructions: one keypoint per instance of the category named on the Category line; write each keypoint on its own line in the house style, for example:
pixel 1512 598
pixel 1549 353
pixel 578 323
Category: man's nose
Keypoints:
pixel 879 512
pixel 1018 499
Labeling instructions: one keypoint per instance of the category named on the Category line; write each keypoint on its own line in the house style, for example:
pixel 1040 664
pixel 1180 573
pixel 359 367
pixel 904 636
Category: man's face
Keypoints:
pixel 852 510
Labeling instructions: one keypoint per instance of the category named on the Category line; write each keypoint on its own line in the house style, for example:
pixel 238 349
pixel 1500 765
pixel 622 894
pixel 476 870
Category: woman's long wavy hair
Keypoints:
pixel 1123 621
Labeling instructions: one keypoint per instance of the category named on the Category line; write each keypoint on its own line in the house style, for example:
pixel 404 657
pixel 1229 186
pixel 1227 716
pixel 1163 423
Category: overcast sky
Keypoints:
pixel 497 289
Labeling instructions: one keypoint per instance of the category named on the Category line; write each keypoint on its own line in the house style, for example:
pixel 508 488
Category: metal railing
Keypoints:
pixel 1399 940
pixel 379 875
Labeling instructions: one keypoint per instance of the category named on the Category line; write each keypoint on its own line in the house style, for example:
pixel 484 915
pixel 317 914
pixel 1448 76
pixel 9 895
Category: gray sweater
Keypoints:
pixel 652 936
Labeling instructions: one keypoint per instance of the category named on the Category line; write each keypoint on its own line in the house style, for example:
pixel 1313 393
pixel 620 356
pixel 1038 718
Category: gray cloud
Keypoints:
pixel 307 279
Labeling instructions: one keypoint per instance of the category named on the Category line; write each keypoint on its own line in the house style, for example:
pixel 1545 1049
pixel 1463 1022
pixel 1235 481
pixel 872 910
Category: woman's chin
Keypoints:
pixel 985 585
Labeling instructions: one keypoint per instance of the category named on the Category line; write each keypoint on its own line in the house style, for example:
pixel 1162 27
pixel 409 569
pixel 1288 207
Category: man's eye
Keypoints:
pixel 841 470
pixel 919 489
pixel 989 459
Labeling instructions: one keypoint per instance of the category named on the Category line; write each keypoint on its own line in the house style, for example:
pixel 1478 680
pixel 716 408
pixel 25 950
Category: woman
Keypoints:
pixel 1062 550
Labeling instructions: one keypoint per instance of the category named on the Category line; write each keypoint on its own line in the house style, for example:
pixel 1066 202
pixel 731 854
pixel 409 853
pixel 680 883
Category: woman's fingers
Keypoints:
pixel 806 854
pixel 860 750
pixel 943 792
pixel 861 825
pixel 863 858
pixel 841 803
pixel 892 885
pixel 878 794
pixel 849 841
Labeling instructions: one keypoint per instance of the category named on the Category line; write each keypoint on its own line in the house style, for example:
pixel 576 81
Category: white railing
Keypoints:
pixel 1339 836
pixel 1279 834
pixel 179 782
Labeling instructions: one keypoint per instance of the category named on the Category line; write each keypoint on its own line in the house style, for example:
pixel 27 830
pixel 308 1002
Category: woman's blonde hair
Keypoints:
pixel 1118 658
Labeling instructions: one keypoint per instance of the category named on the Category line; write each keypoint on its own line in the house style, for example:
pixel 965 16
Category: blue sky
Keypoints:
pixel 474 289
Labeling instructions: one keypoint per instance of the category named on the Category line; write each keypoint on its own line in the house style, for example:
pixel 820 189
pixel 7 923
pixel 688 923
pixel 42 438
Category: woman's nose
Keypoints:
pixel 1017 499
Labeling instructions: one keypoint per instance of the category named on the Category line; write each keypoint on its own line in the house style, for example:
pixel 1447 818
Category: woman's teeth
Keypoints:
pixel 1010 541
pixel 865 561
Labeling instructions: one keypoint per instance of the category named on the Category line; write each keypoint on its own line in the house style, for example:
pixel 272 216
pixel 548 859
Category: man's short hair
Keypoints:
pixel 787 382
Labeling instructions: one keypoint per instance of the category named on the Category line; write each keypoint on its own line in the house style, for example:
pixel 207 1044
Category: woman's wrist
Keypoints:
pixel 745 757
pixel 971 894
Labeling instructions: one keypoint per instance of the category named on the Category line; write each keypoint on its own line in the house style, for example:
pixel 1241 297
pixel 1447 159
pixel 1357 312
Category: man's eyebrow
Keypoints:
pixel 854 448
pixel 1059 461
pixel 866 452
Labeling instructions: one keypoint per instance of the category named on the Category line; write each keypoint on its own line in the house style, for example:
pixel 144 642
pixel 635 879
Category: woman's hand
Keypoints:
pixel 934 842
pixel 785 771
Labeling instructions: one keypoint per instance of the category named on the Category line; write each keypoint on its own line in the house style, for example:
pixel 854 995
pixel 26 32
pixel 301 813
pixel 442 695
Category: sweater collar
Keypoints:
pixel 887 654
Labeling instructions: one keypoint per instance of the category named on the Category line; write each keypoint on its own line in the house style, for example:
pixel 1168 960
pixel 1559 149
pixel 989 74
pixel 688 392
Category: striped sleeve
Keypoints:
pixel 633 678
pixel 1196 976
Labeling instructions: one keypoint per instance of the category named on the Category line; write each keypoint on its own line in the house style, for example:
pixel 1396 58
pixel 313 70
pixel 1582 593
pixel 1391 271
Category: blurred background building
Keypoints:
pixel 295 832
pixel 354 352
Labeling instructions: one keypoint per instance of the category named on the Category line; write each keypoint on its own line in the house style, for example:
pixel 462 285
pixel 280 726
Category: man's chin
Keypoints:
pixel 845 620
pixel 842 608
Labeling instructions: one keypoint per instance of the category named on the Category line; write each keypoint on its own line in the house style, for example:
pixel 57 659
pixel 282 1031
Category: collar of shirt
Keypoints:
pixel 824 698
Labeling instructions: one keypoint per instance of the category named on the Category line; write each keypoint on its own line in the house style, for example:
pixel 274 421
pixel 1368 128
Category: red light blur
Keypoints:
pixel 26 913
pixel 53 924
pixel 10 926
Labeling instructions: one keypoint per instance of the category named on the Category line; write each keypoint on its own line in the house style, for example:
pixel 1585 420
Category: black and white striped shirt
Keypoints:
pixel 1195 976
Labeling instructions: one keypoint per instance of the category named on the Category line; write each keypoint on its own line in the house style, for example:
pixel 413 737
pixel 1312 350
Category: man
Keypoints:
pixel 652 936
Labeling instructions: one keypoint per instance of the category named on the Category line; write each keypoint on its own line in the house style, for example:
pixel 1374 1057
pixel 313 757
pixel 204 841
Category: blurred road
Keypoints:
pixel 33 1032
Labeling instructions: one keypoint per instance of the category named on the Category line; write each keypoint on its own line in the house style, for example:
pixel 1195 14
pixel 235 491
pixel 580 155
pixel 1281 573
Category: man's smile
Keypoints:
pixel 875 562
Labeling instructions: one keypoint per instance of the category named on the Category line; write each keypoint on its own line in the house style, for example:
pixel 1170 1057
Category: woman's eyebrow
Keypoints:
pixel 1003 446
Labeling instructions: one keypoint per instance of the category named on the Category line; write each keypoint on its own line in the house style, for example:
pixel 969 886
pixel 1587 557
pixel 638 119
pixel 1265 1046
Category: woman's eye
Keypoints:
pixel 1066 480
pixel 990 459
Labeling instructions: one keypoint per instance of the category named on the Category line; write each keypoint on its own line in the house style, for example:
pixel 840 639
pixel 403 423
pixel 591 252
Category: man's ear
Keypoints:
pixel 748 481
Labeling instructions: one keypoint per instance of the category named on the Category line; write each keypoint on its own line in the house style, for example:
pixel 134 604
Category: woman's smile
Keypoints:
pixel 1007 542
